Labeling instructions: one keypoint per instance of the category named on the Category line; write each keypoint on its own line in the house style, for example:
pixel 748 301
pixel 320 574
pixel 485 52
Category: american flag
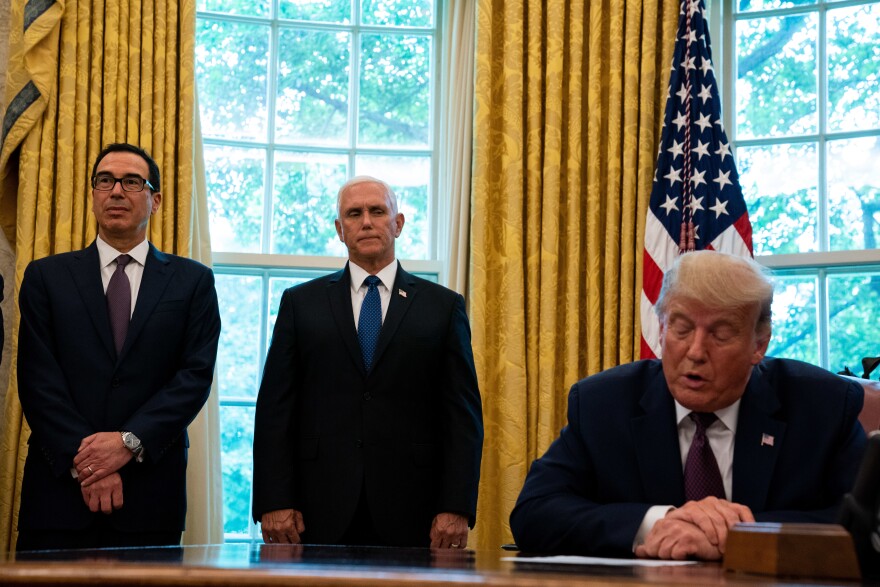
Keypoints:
pixel 696 202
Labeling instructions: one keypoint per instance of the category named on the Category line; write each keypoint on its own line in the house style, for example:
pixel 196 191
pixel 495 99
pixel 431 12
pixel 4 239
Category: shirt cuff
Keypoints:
pixel 653 514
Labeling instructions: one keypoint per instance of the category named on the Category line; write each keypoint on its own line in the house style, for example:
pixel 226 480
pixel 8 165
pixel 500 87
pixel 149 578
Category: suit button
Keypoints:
pixel 360 443
pixel 115 382
pixel 367 396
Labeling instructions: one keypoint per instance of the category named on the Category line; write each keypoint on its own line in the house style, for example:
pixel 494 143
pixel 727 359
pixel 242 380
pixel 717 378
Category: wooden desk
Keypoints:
pixel 330 566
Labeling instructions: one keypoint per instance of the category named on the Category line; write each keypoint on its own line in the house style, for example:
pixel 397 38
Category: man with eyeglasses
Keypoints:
pixel 116 353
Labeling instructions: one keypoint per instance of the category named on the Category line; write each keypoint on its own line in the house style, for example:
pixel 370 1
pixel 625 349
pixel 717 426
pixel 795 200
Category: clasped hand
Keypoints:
pixel 698 530
pixel 97 461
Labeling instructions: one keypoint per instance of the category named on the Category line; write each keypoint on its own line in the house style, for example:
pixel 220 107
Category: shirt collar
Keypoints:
pixel 386 275
pixel 108 254
pixel 729 416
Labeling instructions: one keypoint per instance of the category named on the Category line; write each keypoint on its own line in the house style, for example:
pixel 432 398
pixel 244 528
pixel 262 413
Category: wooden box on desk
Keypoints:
pixel 821 551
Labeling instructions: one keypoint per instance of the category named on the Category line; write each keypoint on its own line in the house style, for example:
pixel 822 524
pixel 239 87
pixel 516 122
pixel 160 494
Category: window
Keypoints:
pixel 801 81
pixel 296 96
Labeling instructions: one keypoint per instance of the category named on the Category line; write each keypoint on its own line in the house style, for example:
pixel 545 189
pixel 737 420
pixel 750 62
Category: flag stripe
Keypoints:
pixel 696 202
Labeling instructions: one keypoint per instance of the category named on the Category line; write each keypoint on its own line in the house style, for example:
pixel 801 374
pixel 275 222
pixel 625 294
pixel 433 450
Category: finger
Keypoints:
pixel 299 524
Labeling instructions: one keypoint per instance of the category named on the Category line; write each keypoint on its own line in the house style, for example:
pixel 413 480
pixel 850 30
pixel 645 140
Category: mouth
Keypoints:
pixel 693 379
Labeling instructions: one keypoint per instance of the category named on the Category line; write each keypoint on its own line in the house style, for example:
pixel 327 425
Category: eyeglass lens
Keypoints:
pixel 129 183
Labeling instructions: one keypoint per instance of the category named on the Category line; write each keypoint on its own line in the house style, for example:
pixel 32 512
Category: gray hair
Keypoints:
pixel 389 193
pixel 719 281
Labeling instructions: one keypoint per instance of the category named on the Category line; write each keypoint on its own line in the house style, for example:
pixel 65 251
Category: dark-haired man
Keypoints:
pixel 115 358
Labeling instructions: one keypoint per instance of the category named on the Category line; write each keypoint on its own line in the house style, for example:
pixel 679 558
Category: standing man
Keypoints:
pixel 115 358
pixel 660 459
pixel 369 423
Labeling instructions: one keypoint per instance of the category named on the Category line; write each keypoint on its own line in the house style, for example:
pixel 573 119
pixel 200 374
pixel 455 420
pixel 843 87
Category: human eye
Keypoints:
pixel 377 211
pixel 104 182
pixel 132 184
pixel 680 328
pixel 724 333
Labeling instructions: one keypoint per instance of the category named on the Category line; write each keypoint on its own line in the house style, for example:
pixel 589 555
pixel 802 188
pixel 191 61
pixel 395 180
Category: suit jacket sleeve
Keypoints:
pixel 161 419
pixel 42 386
pixel 557 510
pixel 274 483
pixel 463 412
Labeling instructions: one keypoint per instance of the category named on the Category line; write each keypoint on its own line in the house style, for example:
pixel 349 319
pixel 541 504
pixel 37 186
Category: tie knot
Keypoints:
pixel 372 281
pixel 122 260
pixel 703 419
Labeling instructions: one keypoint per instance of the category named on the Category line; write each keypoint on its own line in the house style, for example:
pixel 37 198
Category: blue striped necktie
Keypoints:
pixel 370 320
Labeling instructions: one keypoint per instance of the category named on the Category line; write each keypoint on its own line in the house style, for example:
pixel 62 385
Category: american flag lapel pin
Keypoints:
pixel 401 293
pixel 766 440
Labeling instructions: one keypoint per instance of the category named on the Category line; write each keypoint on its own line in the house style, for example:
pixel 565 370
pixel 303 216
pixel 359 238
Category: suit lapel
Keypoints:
pixel 86 272
pixel 655 435
pixel 759 438
pixel 402 294
pixel 157 274
pixel 339 294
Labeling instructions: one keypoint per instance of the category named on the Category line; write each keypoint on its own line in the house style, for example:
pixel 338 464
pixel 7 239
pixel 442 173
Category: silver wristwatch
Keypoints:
pixel 133 443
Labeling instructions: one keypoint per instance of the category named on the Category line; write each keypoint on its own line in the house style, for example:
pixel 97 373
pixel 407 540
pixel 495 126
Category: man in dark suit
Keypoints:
pixel 368 443
pixel 109 381
pixel 660 459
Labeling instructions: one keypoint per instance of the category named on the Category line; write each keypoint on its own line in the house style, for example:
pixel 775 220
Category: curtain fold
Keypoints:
pixel 456 97
pixel 82 74
pixel 568 107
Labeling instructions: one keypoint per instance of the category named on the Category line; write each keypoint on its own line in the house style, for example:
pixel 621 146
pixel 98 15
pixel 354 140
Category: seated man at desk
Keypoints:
pixel 661 457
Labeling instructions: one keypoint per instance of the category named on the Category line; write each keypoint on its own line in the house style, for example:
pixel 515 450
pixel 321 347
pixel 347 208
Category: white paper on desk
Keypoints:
pixel 594 560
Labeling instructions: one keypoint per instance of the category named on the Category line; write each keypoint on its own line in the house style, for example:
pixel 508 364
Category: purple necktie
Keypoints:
pixel 119 302
pixel 701 475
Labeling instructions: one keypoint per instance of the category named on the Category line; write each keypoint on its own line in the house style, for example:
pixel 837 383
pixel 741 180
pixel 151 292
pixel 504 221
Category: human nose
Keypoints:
pixel 697 346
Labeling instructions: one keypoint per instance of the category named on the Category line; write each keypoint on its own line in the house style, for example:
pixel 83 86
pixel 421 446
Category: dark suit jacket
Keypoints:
pixel 619 455
pixel 72 384
pixel 409 432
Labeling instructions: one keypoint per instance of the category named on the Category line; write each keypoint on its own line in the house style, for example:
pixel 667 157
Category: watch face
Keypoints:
pixel 130 441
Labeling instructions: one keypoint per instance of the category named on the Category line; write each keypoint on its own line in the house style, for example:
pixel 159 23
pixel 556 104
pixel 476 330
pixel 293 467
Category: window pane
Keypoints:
pixel 246 7
pixel 750 5
pixel 238 359
pixel 395 90
pixel 338 11
pixel 854 193
pixel 414 13
pixel 231 66
pixel 410 178
pixel 783 213
pixel 305 203
pixel 853 67
pixel 235 197
pixel 776 76
pixel 312 104
pixel 794 319
pixel 854 304
pixel 236 442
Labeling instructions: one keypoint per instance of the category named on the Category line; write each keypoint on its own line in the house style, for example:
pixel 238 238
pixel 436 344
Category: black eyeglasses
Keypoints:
pixel 130 183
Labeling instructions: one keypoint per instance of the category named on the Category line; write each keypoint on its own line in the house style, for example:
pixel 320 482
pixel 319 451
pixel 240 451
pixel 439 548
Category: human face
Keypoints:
pixel 368 225
pixel 708 354
pixel 122 216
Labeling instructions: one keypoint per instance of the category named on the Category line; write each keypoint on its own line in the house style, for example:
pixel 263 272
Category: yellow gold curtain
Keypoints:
pixel 569 100
pixel 82 74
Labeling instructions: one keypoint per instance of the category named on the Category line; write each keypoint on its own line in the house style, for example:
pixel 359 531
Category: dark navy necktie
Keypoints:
pixel 119 302
pixel 701 475
pixel 370 320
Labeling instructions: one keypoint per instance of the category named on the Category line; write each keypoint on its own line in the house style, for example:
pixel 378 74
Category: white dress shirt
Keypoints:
pixel 721 435
pixel 134 270
pixel 359 288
